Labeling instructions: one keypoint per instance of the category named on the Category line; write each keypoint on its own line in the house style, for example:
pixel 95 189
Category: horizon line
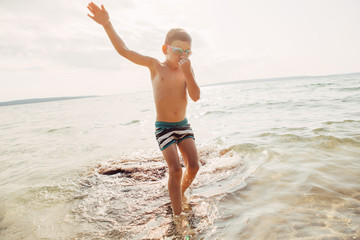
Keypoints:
pixel 278 78
pixel 41 100
pixel 54 99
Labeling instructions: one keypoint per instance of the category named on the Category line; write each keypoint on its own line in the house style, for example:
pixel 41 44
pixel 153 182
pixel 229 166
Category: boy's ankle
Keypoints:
pixel 184 198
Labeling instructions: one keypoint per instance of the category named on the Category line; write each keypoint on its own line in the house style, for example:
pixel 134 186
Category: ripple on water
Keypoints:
pixel 121 198
pixel 245 191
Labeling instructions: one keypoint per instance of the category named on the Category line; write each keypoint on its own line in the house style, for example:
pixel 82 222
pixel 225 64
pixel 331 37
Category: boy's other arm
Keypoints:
pixel 101 16
pixel 192 87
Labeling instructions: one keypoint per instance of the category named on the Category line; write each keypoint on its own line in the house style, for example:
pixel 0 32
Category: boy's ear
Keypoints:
pixel 164 49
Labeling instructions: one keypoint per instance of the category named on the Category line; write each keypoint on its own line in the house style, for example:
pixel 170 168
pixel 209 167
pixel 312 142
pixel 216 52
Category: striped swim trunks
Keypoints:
pixel 168 133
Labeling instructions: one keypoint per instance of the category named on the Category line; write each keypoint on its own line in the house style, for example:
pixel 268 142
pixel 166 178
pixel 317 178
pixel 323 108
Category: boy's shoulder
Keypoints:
pixel 155 63
pixel 158 66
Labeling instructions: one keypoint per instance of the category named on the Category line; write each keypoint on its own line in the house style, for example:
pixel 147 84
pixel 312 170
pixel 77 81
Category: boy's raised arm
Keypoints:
pixel 101 16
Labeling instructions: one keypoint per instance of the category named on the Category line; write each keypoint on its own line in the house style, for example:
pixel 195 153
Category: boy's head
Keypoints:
pixel 177 34
pixel 177 44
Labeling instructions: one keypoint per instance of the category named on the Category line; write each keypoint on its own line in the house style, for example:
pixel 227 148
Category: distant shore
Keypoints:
pixel 278 79
pixel 40 100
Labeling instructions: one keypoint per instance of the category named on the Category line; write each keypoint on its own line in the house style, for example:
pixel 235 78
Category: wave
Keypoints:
pixel 215 112
pixel 287 137
pixel 350 89
pixel 245 148
pixel 320 141
pixel 127 197
pixel 330 142
pixel 340 122
pixel 132 122
pixel 321 84
pixel 58 129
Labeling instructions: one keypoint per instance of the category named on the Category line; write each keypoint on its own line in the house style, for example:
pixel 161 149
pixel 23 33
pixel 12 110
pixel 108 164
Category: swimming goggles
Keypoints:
pixel 180 51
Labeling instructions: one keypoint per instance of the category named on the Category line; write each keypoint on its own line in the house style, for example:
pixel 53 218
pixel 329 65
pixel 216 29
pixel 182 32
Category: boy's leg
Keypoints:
pixel 175 173
pixel 188 151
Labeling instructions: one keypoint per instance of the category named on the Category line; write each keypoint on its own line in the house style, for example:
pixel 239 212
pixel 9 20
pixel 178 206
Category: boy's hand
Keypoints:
pixel 185 64
pixel 101 16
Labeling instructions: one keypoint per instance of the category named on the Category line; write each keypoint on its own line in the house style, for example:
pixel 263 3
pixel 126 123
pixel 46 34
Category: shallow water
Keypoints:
pixel 280 160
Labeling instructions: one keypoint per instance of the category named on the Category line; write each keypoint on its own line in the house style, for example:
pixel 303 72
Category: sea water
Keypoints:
pixel 280 159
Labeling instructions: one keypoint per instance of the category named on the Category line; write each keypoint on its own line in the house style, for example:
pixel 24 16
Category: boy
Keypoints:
pixel 171 81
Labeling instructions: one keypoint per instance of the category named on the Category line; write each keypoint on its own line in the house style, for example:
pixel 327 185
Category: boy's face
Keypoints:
pixel 174 55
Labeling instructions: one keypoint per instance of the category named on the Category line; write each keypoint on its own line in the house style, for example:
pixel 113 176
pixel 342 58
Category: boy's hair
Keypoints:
pixel 177 34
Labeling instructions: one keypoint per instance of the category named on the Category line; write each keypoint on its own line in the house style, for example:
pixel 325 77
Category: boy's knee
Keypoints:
pixel 175 172
pixel 194 166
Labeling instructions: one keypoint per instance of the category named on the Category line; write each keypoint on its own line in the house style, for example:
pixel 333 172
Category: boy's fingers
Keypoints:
pixel 92 5
pixel 184 60
pixel 96 7
pixel 91 16
pixel 92 11
pixel 103 8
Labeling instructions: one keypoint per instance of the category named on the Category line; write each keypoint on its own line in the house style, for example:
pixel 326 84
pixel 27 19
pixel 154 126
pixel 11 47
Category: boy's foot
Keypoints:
pixel 182 225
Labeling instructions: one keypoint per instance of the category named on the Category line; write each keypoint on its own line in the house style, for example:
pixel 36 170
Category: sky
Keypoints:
pixel 53 49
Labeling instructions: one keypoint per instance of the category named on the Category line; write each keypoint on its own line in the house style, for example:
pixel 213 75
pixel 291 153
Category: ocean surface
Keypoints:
pixel 280 159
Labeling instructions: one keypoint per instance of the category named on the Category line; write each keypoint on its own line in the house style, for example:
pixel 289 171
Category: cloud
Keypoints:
pixel 232 40
pixel 41 31
pixel 59 32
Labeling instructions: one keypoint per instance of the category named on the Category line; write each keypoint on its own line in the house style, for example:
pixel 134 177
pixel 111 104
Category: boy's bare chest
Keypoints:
pixel 169 81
